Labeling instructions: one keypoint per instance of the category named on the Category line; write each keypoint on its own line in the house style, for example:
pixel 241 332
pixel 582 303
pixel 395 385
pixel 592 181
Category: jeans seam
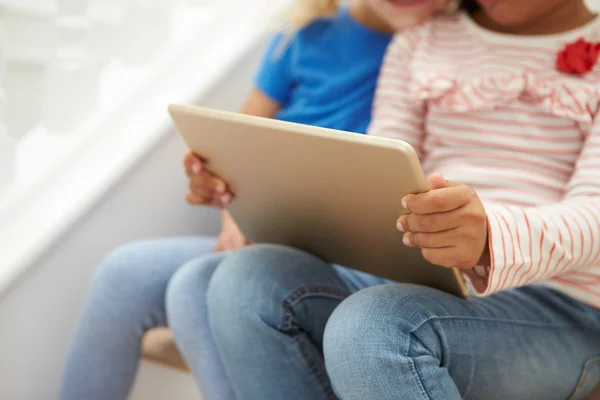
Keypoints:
pixel 299 294
pixel 291 300
pixel 584 374
pixel 498 321
pixel 326 290
pixel 412 364
pixel 314 370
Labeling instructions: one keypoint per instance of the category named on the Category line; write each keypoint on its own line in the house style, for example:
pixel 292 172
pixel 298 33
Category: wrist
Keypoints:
pixel 485 259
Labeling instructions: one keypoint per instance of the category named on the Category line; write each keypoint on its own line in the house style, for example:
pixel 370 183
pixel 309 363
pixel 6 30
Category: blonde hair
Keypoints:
pixel 307 11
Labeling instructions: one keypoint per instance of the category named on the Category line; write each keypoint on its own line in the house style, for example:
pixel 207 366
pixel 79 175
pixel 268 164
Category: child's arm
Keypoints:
pixel 558 241
pixel 260 105
pixel 395 113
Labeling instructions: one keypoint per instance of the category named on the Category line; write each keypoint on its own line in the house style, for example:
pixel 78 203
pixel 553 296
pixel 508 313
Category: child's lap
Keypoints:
pixel 513 342
pixel 532 342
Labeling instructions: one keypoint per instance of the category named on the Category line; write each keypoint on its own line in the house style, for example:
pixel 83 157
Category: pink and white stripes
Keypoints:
pixel 491 111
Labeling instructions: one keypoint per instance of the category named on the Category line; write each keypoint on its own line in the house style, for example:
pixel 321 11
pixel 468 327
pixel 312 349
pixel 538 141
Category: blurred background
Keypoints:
pixel 89 159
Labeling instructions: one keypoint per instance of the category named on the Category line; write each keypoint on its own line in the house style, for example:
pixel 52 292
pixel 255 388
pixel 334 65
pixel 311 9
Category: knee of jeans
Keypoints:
pixel 374 325
pixel 189 285
pixel 122 283
pixel 250 282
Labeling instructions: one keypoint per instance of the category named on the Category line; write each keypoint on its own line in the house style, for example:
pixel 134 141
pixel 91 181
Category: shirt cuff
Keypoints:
pixel 478 277
pixel 481 276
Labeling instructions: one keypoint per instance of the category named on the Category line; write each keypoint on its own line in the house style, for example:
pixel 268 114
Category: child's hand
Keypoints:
pixel 231 238
pixel 448 223
pixel 205 188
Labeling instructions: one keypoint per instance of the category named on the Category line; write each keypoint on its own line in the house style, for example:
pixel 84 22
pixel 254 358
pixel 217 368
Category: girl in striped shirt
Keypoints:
pixel 504 102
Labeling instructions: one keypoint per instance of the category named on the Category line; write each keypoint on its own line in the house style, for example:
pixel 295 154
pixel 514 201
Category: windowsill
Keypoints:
pixel 44 203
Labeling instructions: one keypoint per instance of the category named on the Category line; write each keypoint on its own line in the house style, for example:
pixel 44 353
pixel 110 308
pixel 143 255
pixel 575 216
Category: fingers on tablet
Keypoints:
pixel 193 166
pixel 205 189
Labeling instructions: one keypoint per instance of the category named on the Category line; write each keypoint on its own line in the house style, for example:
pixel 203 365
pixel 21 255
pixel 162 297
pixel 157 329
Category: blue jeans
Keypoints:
pixel 138 287
pixel 271 311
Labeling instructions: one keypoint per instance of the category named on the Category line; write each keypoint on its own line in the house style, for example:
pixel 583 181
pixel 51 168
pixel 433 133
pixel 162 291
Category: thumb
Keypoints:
pixel 437 181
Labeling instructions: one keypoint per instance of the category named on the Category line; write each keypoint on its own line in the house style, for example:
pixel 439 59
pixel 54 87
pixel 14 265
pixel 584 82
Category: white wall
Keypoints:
pixel 39 313
pixel 594 4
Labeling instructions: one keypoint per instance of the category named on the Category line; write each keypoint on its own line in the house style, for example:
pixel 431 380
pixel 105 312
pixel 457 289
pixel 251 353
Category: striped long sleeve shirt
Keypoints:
pixel 492 111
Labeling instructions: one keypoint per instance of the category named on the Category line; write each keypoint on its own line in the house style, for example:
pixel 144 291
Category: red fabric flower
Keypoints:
pixel 578 58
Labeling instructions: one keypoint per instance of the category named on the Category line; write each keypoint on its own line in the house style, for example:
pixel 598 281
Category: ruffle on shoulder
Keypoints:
pixel 565 98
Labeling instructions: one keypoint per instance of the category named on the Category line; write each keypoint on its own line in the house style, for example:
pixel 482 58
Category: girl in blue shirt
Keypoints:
pixel 324 74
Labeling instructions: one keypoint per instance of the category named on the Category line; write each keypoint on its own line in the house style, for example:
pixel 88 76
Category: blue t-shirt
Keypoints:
pixel 326 75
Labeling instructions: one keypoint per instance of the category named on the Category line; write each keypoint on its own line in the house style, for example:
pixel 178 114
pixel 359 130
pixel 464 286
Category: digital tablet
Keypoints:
pixel 334 194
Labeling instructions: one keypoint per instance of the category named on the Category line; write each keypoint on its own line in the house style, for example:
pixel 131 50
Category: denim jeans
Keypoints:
pixel 271 312
pixel 131 293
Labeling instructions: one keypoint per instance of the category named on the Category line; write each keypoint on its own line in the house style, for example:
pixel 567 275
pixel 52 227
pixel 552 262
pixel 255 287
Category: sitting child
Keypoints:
pixel 323 74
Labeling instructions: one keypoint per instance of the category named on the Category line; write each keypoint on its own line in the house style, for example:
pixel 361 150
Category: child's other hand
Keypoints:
pixel 448 223
pixel 231 238
pixel 205 188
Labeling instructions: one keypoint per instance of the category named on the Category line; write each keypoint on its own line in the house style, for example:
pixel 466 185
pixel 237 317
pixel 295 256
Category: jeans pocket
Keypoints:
pixel 589 378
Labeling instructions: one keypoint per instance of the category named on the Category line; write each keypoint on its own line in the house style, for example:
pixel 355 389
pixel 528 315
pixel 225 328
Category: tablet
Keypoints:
pixel 334 194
